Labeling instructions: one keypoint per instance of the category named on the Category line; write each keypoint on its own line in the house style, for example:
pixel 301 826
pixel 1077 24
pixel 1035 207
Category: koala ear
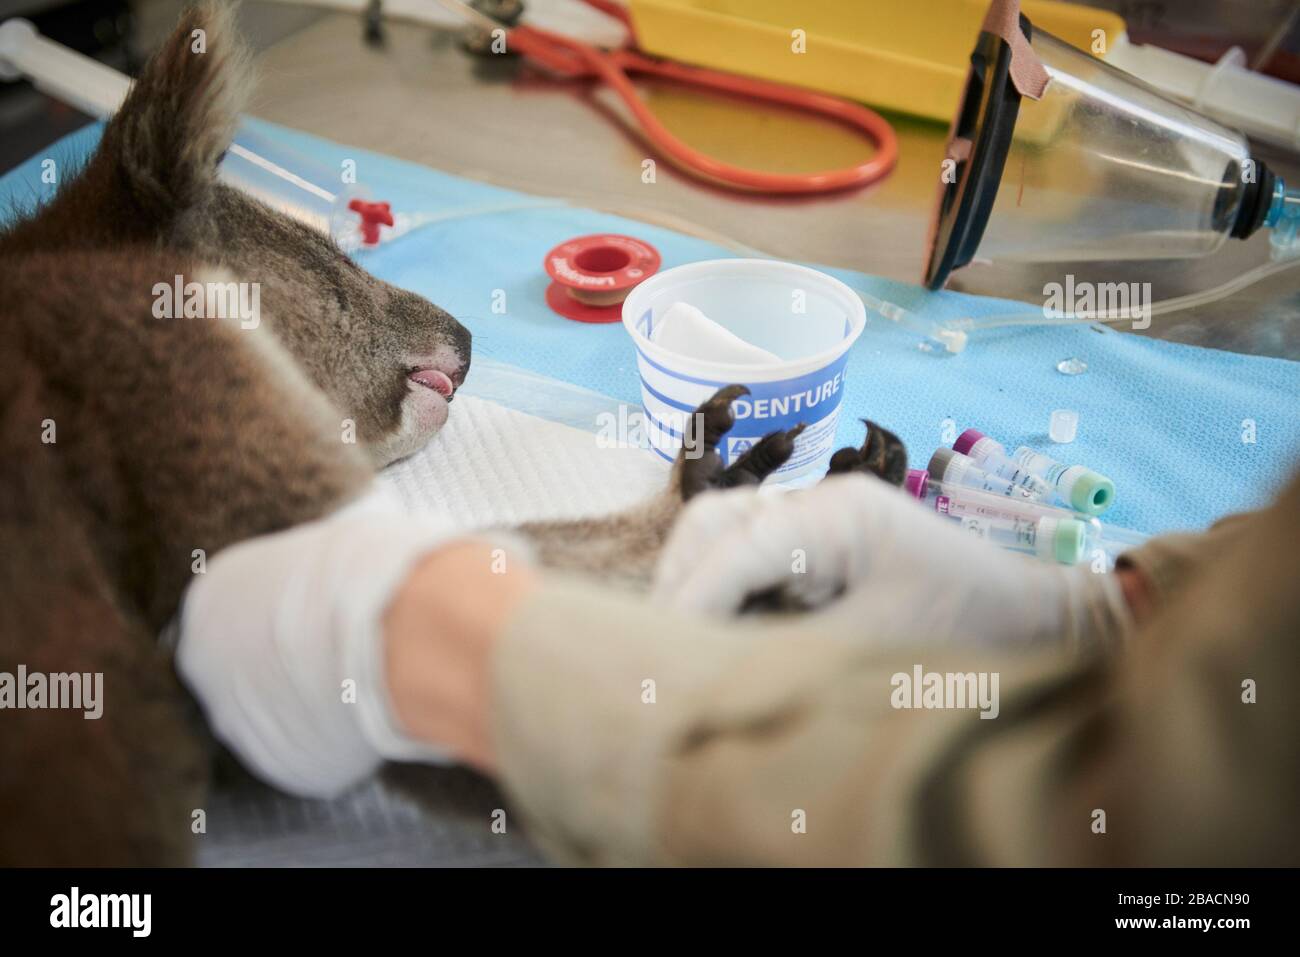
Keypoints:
pixel 180 116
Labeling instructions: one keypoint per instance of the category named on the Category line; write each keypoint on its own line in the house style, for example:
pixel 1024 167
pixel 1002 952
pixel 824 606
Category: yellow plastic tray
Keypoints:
pixel 904 55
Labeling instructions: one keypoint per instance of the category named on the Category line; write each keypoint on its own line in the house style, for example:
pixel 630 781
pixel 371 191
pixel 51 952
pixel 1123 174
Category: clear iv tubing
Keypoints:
pixel 1176 304
pixel 951 335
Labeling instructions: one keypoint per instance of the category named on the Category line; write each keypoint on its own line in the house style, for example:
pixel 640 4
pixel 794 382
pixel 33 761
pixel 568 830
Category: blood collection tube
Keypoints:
pixel 1080 488
pixel 990 455
pixel 953 468
pixel 1018 524
pixel 957 501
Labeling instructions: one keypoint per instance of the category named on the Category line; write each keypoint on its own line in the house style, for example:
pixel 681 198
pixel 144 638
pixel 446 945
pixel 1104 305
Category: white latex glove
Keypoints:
pixel 281 643
pixel 909 575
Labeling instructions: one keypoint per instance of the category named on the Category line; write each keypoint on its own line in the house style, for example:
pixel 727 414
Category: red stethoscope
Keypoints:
pixel 575 59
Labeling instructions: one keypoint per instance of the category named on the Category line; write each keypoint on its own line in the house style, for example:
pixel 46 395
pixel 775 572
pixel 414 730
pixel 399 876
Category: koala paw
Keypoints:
pixel 882 454
pixel 699 466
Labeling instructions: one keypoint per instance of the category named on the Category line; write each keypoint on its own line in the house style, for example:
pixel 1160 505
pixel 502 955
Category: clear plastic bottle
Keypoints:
pixel 1103 167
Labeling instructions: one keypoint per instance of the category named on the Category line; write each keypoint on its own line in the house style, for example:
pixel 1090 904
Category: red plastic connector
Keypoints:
pixel 373 215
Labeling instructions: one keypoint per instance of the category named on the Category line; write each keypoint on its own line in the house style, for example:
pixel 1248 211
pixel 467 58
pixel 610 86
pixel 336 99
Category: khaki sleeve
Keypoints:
pixel 1169 560
pixel 592 693
pixel 629 735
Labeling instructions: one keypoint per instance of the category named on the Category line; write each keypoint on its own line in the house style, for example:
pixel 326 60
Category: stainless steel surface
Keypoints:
pixel 422 98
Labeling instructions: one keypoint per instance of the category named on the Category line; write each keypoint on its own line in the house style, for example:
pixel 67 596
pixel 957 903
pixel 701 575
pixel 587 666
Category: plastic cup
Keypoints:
pixel 806 317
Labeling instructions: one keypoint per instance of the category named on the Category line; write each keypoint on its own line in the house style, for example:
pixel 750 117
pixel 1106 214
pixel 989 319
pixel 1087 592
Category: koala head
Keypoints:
pixel 390 360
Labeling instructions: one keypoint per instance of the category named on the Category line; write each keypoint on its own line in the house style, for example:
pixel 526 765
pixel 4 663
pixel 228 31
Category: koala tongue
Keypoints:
pixel 433 379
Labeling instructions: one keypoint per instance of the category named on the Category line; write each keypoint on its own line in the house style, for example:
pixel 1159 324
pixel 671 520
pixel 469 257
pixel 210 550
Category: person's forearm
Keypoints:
pixel 440 631
pixel 282 644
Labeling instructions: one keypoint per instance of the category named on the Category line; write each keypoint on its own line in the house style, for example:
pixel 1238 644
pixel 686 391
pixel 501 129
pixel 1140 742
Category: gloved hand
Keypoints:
pixel 281 642
pixel 908 574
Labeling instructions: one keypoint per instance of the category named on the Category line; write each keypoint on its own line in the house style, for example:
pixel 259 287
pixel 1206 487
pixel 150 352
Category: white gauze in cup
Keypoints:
pixel 689 332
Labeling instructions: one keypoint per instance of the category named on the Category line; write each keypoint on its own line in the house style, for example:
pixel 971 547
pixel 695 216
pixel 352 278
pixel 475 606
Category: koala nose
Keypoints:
pixel 462 339
pixel 458 377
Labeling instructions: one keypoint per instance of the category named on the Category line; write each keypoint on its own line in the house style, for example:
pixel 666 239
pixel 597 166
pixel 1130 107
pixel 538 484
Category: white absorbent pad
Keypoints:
pixel 689 332
pixel 493 466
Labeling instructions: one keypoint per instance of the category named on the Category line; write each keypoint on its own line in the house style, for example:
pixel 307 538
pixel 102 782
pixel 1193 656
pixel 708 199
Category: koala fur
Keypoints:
pixel 172 438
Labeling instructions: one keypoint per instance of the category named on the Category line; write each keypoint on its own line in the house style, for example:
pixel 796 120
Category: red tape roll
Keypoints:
pixel 593 275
